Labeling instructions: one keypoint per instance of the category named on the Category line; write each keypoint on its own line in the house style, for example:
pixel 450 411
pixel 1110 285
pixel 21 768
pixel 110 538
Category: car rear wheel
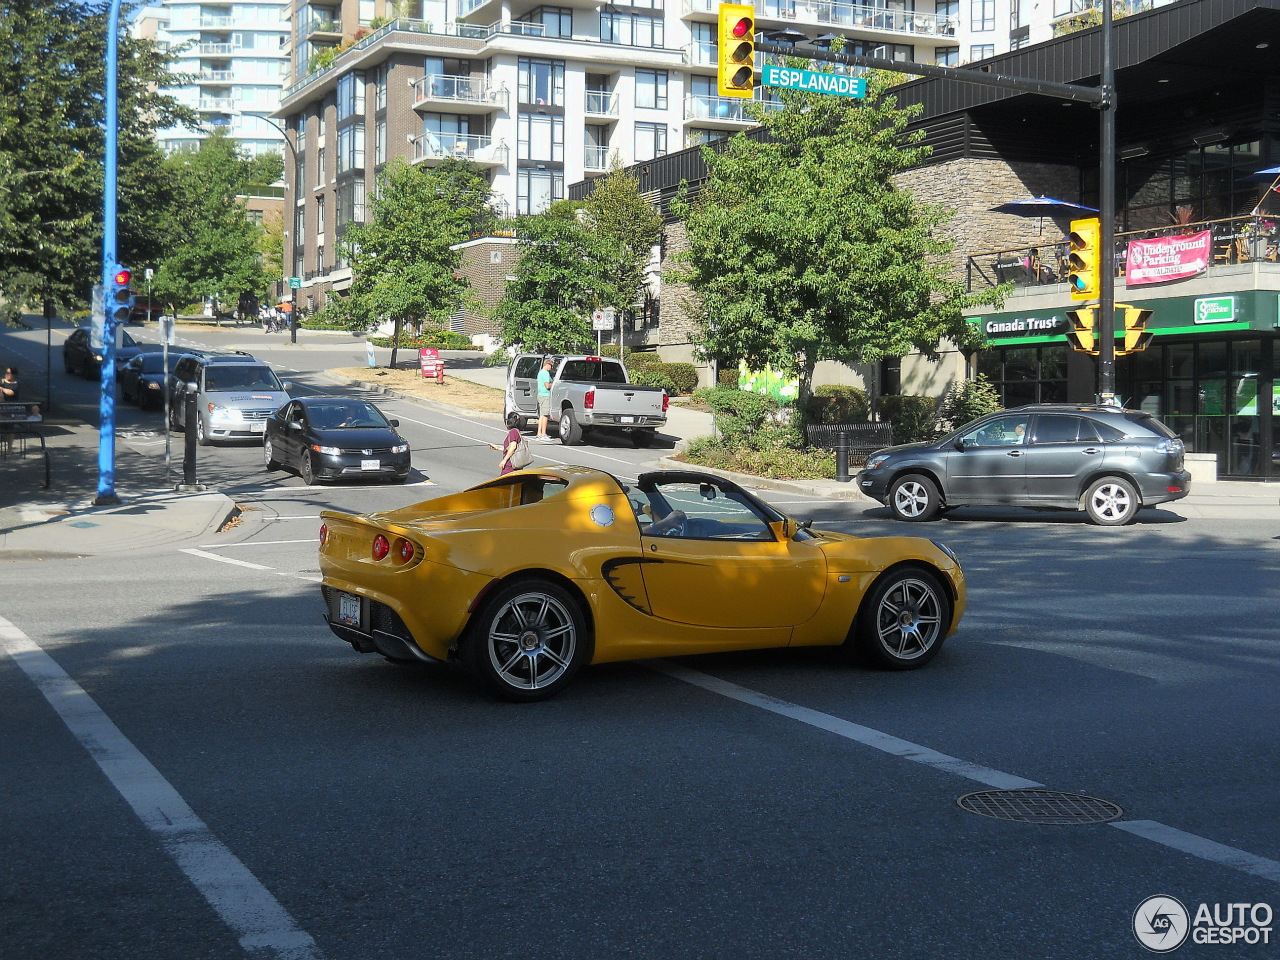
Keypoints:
pixel 1111 502
pixel 528 641
pixel 903 620
pixel 914 498
pixel 570 432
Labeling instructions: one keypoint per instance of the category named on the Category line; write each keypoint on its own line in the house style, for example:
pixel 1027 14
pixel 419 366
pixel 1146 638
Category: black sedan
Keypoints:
pixel 335 438
pixel 144 377
pixel 80 356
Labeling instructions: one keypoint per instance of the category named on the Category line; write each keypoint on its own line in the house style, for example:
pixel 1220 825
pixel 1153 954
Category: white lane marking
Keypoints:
pixel 278 519
pixel 851 731
pixel 257 543
pixel 235 894
pixel 1153 830
pixel 214 556
pixel 1199 847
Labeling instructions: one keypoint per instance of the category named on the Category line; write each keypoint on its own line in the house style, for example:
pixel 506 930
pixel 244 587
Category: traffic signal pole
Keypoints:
pixel 107 402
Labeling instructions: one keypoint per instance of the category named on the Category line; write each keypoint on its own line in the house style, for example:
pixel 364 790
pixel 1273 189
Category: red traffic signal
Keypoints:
pixel 123 276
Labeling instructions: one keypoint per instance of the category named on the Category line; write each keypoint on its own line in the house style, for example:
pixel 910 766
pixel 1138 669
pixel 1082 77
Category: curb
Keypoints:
pixel 768 483
pixel 412 398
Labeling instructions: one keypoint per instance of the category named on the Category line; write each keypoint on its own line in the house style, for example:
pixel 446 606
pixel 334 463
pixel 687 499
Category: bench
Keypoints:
pixel 864 439
pixel 16 422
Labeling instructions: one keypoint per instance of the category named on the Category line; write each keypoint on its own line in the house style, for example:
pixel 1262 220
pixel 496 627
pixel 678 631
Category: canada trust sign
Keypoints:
pixel 1023 327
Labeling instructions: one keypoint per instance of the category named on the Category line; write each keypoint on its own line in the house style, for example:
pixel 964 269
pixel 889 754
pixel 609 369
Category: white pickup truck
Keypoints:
pixel 587 393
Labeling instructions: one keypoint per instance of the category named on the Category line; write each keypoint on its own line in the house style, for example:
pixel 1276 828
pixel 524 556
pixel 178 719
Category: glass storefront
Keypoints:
pixel 1030 374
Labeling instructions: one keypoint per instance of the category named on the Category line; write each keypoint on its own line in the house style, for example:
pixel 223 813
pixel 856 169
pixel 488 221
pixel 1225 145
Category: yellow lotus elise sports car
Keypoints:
pixel 527 578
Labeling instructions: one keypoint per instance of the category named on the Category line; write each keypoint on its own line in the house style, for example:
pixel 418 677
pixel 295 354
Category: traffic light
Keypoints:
pixel 119 296
pixel 1136 335
pixel 1081 335
pixel 1086 259
pixel 736 70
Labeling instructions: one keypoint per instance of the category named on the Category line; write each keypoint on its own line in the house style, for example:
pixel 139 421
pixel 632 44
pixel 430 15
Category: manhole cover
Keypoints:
pixel 1039 806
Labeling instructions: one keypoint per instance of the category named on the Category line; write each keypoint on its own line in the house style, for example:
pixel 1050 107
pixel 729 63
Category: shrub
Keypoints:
pixel 739 415
pixel 683 375
pixel 635 361
pixel 913 418
pixel 967 400
pixel 499 358
pixel 649 377
pixel 611 350
pixel 440 339
pixel 727 377
pixel 832 403
pixel 776 460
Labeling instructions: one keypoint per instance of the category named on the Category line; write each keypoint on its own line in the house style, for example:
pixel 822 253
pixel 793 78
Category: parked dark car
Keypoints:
pixel 335 438
pixel 145 309
pixel 1104 460
pixel 144 377
pixel 79 356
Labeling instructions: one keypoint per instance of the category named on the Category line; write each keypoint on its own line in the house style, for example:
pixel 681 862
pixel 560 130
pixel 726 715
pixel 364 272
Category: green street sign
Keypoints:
pixel 295 283
pixel 790 78
pixel 1215 309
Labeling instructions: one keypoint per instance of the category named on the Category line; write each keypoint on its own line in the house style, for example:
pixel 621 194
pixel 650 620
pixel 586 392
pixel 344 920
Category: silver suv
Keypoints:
pixel 234 396
pixel 1104 460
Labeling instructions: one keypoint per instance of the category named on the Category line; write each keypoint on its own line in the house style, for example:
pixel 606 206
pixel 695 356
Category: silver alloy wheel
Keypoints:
pixel 911 499
pixel 1111 502
pixel 531 641
pixel 909 618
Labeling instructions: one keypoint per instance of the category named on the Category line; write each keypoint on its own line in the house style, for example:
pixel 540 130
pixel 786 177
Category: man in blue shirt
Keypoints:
pixel 544 400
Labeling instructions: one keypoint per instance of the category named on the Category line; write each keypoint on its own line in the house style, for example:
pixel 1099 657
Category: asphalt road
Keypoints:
pixel 231 780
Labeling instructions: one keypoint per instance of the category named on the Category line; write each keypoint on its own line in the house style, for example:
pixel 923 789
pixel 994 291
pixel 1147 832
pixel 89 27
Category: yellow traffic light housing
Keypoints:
pixel 1081 336
pixel 1136 335
pixel 1086 259
pixel 736 69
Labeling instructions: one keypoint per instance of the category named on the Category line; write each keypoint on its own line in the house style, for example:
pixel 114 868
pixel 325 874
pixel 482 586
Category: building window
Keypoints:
pixel 320 215
pixel 1026 374
pixel 540 137
pixel 651 140
pixel 633 30
pixel 947 56
pixel 349 205
pixel 380 143
pixel 980 51
pixel 651 89
pixel 351 148
pixel 299 232
pixel 541 81
pixel 350 95
pixel 982 15
pixel 537 189
pixel 556 21
pixel 320 166
pixel 380 88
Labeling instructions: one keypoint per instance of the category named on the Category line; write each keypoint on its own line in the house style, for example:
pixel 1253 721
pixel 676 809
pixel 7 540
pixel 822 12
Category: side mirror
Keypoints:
pixel 295 425
pixel 960 443
pixel 193 387
pixel 394 423
pixel 288 385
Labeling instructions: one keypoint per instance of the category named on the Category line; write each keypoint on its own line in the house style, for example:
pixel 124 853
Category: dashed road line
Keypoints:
pixel 262 925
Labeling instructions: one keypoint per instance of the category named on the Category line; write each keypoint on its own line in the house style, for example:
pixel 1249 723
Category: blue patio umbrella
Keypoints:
pixel 1043 207
pixel 1270 173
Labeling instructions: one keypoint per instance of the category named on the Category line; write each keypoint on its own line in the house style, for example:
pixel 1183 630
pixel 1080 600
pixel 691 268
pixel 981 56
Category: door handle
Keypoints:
pixel 1015 453
pixel 1091 450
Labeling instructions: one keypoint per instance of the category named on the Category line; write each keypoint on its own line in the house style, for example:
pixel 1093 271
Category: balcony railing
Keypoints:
pixel 474 146
pixel 601 103
pixel 596 158
pixel 215 49
pixel 324 26
pixel 699 6
pixel 459 89
pixel 703 107
pixel 216 76
pixel 701 54
pixel 215 23
pixel 216 104
pixel 864 16
pixel 1236 240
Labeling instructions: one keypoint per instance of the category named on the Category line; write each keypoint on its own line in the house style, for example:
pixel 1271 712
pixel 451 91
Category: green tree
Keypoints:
pixel 630 225
pixel 563 275
pixel 802 248
pixel 214 249
pixel 403 262
pixel 52 81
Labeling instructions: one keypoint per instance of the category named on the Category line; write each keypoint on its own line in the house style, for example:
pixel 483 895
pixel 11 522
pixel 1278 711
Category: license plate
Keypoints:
pixel 626 419
pixel 258 426
pixel 370 464
pixel 349 609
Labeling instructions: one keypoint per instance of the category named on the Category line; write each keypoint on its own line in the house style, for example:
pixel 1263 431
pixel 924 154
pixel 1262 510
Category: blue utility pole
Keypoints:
pixel 107 404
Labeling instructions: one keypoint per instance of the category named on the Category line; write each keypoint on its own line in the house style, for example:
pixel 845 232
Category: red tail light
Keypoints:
pixel 404 549
pixel 589 401
pixel 324 533
pixel 381 547
pixel 665 400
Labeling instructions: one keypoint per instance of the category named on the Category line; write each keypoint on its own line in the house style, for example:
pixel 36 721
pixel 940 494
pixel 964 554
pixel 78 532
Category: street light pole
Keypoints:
pixel 291 212
pixel 107 399
pixel 1107 214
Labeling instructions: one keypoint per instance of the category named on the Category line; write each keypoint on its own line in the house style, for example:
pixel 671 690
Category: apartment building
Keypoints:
pixel 238 56
pixel 541 95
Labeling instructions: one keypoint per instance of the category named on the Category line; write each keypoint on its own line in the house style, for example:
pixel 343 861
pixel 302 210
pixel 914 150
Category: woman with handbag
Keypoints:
pixel 511 446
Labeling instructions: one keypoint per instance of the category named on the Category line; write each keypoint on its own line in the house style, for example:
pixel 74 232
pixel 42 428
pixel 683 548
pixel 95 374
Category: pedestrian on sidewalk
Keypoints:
pixel 10 392
pixel 544 400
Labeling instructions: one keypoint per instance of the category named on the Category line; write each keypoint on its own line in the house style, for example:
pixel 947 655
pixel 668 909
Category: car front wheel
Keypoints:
pixel 306 470
pixel 528 641
pixel 268 457
pixel 904 619
pixel 914 498
pixel 1111 502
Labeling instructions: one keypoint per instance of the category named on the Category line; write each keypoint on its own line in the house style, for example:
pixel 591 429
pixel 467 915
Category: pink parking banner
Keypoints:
pixel 1162 259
